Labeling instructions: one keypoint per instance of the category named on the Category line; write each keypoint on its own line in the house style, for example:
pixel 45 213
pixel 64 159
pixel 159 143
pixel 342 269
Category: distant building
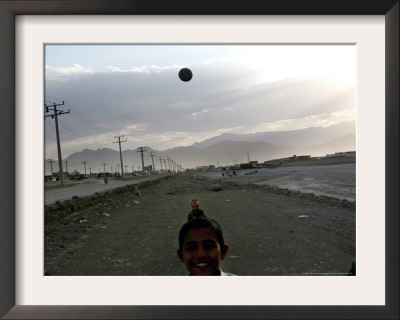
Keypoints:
pixel 271 164
pixel 341 154
pixel 300 157
pixel 210 167
pixel 249 165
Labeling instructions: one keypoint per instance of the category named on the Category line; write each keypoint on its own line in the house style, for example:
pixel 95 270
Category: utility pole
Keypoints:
pixel 169 165
pixel 104 165
pixel 141 150
pixel 84 164
pixel 66 166
pixel 173 165
pixel 161 164
pixel 120 153
pixel 152 154
pixel 55 117
pixel 51 164
pixel 165 164
pixel 248 157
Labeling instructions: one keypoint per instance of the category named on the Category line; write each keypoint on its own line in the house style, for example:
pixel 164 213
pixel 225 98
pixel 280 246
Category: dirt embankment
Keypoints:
pixel 133 231
pixel 64 208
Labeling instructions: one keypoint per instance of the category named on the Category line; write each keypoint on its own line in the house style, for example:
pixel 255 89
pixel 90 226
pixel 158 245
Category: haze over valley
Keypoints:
pixel 221 150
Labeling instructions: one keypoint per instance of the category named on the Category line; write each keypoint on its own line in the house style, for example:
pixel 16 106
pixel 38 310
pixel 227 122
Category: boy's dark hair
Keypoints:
pixel 198 223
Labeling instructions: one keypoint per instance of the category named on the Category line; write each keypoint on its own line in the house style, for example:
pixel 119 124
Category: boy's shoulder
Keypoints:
pixel 227 274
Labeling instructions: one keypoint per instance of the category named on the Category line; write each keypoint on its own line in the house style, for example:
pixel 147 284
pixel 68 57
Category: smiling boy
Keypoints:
pixel 202 247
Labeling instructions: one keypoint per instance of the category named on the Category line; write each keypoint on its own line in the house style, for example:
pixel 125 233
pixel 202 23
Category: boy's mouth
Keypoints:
pixel 201 265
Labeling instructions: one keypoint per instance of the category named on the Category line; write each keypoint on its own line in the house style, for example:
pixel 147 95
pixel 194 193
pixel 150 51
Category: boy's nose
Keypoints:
pixel 201 251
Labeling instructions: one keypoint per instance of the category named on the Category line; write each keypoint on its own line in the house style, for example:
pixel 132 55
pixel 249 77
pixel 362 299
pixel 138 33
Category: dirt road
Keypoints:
pixel 269 231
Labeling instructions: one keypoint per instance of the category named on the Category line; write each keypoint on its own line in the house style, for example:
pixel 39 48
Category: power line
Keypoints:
pixel 96 127
pixel 71 133
pixel 89 122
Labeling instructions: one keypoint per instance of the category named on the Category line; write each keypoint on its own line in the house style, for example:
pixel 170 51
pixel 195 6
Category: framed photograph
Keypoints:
pixel 34 29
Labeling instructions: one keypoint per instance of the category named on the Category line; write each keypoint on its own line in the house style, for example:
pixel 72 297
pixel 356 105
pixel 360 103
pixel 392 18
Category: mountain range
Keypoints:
pixel 224 149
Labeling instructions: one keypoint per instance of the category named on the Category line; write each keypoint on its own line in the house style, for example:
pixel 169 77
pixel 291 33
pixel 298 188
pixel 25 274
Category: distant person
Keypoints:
pixel 202 247
pixel 105 179
pixel 195 212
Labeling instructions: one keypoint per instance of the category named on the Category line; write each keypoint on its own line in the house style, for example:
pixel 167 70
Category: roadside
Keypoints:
pixel 90 187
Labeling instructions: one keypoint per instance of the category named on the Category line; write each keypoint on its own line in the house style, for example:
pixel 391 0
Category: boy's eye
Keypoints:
pixel 190 248
pixel 209 246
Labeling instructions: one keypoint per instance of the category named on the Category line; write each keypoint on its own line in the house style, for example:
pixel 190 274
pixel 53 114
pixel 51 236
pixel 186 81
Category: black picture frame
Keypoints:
pixel 8 11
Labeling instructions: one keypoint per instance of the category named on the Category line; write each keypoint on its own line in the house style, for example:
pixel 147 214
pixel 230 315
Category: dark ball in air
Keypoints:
pixel 185 74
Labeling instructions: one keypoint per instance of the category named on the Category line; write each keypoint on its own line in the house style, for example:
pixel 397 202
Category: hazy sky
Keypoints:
pixel 135 91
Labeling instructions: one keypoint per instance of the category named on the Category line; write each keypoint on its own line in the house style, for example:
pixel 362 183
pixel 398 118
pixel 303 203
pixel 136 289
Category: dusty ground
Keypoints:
pixel 269 231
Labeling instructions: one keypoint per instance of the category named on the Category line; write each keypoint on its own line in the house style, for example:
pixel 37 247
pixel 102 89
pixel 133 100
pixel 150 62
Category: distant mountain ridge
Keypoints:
pixel 225 149
pixel 313 135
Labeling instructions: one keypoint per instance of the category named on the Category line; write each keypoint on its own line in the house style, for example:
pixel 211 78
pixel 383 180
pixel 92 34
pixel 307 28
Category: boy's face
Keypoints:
pixel 201 252
pixel 195 205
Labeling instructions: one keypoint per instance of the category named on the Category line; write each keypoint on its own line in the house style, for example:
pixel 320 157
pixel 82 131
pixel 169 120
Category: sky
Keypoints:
pixel 134 91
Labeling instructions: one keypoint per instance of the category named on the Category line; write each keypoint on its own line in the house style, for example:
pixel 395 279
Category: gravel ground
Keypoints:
pixel 269 230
